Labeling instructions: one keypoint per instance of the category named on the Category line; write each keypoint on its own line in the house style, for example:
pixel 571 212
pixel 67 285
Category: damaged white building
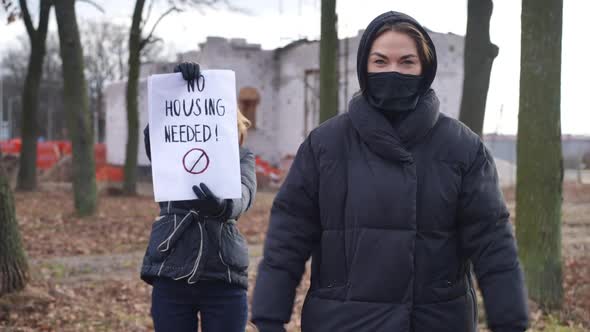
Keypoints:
pixel 278 90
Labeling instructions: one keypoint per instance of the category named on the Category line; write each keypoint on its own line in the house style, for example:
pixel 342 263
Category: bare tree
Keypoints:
pixel 328 61
pixel 105 51
pixel 540 165
pixel 50 116
pixel 27 174
pixel 14 270
pixel 479 56
pixel 76 105
pixel 52 64
pixel 106 58
pixel 15 64
pixel 13 61
pixel 138 40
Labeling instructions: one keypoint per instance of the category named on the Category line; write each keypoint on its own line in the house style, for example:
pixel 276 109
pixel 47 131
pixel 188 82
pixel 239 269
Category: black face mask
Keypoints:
pixel 393 91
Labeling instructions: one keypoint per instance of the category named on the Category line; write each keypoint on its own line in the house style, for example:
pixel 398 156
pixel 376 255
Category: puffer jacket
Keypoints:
pixel 392 216
pixel 185 245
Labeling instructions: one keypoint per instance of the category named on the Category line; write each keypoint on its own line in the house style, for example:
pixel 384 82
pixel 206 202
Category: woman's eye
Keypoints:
pixel 379 62
pixel 408 62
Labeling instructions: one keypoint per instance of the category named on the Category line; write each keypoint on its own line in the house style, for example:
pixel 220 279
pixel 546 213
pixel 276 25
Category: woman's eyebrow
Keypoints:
pixel 378 54
pixel 408 56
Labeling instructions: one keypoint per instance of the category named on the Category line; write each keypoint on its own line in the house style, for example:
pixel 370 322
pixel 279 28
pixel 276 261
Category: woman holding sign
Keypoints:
pixel 394 201
pixel 196 259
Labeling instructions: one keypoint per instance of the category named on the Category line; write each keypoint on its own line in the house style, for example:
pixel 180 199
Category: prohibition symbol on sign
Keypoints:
pixel 195 161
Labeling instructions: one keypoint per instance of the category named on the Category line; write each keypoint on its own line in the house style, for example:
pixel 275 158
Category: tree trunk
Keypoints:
pixel 14 271
pixel 540 165
pixel 328 62
pixel 27 173
pixel 76 106
pixel 130 171
pixel 479 56
pixel 100 115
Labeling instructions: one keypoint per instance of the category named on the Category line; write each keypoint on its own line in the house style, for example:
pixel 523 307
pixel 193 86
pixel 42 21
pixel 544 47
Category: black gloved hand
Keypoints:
pixel 190 72
pixel 210 204
pixel 146 142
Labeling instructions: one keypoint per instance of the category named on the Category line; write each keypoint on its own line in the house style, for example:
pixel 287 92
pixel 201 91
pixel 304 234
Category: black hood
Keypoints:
pixel 369 36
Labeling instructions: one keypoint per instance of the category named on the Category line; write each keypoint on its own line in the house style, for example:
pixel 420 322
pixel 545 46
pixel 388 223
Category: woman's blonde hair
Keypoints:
pixel 425 53
pixel 243 125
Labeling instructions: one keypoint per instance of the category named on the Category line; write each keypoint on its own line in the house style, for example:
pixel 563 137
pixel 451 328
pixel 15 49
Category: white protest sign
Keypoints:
pixel 194 135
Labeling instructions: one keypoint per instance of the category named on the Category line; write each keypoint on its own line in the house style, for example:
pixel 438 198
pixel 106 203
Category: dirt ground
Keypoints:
pixel 84 272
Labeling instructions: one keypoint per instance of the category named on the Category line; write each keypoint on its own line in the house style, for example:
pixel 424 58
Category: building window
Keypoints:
pixel 248 101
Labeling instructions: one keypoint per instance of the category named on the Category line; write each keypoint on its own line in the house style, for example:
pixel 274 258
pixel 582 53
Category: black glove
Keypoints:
pixel 211 205
pixel 146 141
pixel 190 72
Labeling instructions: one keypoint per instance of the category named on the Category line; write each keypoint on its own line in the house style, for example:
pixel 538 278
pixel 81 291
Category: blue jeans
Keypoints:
pixel 175 304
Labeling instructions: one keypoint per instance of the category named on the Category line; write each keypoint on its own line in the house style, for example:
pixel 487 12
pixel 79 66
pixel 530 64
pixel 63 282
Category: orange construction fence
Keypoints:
pixel 264 167
pixel 50 152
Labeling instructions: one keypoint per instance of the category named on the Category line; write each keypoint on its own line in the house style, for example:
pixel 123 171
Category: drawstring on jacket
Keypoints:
pixel 179 228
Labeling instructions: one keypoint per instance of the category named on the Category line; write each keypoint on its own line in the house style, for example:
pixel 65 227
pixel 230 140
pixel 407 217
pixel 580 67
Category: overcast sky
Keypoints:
pixel 274 23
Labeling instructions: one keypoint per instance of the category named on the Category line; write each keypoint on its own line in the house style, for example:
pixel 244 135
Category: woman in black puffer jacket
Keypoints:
pixel 393 201
pixel 196 259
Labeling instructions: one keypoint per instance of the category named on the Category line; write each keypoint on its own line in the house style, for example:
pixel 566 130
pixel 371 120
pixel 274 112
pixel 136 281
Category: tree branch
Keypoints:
pixel 7 4
pixel 94 4
pixel 144 50
pixel 148 39
pixel 146 42
pixel 149 13
pixel 24 9
pixel 43 20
